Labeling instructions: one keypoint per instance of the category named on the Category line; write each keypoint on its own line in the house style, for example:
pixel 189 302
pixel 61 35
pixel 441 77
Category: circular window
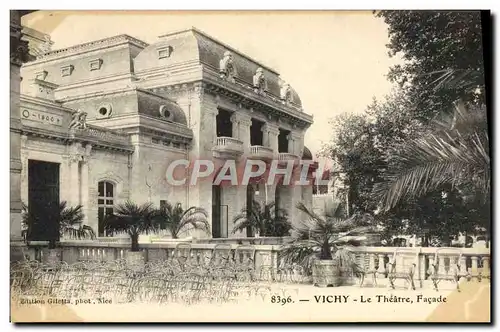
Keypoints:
pixel 165 113
pixel 104 111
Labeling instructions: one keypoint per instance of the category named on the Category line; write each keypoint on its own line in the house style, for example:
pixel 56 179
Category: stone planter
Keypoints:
pixel 135 260
pixel 326 273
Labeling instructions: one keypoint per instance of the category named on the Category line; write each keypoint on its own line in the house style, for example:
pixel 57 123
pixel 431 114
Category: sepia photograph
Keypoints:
pixel 250 166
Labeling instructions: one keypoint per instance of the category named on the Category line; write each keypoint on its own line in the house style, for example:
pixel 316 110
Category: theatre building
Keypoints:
pixel 101 122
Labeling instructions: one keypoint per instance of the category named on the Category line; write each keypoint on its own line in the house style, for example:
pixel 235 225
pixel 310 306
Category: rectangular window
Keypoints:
pixel 101 188
pixel 109 191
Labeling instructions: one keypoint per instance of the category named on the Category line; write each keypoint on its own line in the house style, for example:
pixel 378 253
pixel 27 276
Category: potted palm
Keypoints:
pixel 133 220
pixel 178 221
pixel 70 225
pixel 263 219
pixel 322 244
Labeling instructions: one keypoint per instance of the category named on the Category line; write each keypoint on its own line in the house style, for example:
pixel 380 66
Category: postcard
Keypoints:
pixel 250 166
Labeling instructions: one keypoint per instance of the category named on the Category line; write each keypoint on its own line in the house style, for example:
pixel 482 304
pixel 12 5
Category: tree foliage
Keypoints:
pixel 443 53
pixel 395 142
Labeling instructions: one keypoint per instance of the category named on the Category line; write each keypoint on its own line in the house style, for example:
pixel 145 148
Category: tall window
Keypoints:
pixel 224 124
pixel 283 140
pixel 105 203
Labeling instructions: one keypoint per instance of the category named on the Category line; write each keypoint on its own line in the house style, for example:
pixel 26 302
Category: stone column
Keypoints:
pixel 18 55
pixel 74 180
pixel 297 143
pixel 243 122
pixel 272 131
pixel 265 136
pixel 290 143
pixel 236 126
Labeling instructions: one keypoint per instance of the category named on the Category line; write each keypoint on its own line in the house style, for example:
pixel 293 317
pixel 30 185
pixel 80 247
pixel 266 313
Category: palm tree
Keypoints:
pixel 177 221
pixel 456 152
pixel 70 224
pixel 327 237
pixel 133 219
pixel 265 219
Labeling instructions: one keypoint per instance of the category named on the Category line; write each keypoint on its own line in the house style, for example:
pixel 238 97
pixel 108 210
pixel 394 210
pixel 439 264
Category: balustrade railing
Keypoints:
pixel 473 262
pixel 263 152
pixel 228 141
pixel 103 134
pixel 285 156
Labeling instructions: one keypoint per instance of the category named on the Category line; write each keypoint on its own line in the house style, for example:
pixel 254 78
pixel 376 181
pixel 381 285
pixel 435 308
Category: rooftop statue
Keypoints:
pixel 286 93
pixel 226 67
pixel 259 81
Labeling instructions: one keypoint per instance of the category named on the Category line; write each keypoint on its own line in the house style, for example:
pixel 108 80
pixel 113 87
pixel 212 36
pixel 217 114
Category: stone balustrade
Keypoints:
pixel 261 152
pixel 227 147
pixel 100 133
pixel 473 261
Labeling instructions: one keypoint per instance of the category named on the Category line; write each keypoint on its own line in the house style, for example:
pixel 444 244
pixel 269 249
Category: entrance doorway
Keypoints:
pixel 43 201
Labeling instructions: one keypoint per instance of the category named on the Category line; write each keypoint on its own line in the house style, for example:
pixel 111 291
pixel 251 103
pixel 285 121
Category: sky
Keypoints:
pixel 337 61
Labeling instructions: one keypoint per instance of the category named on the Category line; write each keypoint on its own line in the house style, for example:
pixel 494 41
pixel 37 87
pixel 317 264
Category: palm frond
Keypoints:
pixel 266 219
pixel 177 221
pixel 458 153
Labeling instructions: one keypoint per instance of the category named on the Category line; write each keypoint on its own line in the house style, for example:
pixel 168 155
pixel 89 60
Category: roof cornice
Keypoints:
pixel 91 46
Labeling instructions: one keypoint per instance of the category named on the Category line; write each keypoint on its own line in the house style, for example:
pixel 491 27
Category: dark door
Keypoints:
pixel 216 211
pixel 43 201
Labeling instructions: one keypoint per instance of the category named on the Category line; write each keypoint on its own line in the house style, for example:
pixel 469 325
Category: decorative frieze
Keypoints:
pixel 249 103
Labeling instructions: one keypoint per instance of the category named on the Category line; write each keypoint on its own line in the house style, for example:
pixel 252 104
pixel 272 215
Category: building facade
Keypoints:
pixel 101 122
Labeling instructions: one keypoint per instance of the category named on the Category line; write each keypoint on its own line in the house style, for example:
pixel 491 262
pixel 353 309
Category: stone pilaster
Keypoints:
pixel 18 55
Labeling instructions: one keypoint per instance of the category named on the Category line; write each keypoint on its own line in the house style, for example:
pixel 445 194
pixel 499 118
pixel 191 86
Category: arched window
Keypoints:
pixel 105 203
